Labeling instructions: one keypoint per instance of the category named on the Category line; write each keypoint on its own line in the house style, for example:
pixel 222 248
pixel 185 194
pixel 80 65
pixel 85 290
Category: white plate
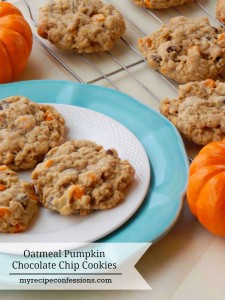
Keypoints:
pixel 49 226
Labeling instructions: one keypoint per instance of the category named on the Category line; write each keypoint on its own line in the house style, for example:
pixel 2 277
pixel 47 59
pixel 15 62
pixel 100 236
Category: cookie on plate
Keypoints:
pixel 186 49
pixel 158 4
pixel 84 26
pixel 199 111
pixel 220 10
pixel 18 202
pixel 28 131
pixel 80 176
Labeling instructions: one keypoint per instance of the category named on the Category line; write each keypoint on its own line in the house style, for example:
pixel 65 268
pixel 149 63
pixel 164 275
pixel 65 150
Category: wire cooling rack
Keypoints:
pixel 124 68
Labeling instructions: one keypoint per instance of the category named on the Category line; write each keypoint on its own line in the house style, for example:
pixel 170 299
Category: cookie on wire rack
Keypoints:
pixel 186 49
pixel 220 10
pixel 83 26
pixel 199 111
pixel 159 4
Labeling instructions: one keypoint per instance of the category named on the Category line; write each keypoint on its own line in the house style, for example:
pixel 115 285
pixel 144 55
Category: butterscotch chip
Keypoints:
pixel 158 4
pixel 199 111
pixel 18 202
pixel 186 49
pixel 80 176
pixel 84 26
pixel 28 130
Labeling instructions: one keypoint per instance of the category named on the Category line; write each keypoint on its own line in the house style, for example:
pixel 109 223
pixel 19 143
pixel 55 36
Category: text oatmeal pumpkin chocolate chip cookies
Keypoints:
pixel 18 202
pixel 28 130
pixel 199 111
pixel 158 4
pixel 84 26
pixel 186 49
pixel 80 176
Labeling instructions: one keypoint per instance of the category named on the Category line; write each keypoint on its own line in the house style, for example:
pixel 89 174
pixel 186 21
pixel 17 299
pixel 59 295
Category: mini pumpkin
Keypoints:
pixel 206 187
pixel 15 42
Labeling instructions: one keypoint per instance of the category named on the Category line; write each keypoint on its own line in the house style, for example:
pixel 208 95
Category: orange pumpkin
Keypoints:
pixel 15 42
pixel 206 187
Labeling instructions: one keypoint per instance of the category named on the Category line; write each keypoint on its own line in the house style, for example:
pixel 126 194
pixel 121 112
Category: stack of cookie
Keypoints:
pixel 185 50
pixel 190 51
pixel 75 177
pixel 27 132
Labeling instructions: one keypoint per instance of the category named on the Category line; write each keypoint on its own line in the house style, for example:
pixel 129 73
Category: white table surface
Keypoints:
pixel 189 262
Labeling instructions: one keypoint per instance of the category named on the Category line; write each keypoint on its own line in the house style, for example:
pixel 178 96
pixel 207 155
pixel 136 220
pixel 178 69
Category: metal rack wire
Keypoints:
pixel 102 74
pixel 122 67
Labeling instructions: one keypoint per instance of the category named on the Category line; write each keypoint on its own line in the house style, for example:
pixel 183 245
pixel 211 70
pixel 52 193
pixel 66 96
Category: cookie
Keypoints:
pixel 83 26
pixel 220 10
pixel 80 176
pixel 158 4
pixel 186 49
pixel 28 131
pixel 18 202
pixel 199 111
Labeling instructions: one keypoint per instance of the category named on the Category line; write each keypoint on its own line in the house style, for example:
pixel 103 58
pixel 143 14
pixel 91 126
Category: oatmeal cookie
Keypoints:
pixel 186 49
pixel 28 131
pixel 199 111
pixel 84 26
pixel 80 176
pixel 158 4
pixel 18 202
pixel 220 10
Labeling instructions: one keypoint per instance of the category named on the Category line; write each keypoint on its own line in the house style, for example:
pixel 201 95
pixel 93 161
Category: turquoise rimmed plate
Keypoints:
pixel 162 143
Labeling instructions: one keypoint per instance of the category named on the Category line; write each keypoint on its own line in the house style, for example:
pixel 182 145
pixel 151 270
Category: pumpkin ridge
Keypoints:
pixel 16 42
pixel 213 147
pixel 206 187
pixel 18 24
pixel 204 159
pixel 211 208
pixel 8 67
pixel 197 181
pixel 8 9
pixel 17 65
